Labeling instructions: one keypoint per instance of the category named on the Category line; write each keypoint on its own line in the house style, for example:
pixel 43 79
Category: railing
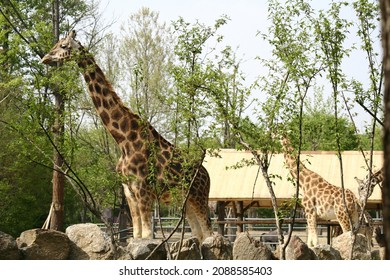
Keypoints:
pixel 257 227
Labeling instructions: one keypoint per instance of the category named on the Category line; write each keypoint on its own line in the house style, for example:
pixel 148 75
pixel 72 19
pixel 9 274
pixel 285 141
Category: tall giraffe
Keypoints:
pixel 366 186
pixel 320 198
pixel 149 163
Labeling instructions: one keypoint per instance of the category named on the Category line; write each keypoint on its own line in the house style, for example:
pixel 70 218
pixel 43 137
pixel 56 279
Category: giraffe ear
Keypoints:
pixel 358 180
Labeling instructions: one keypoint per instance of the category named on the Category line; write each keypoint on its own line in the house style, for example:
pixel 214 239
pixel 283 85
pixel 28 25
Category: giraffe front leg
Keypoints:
pixel 134 211
pixel 145 207
pixel 312 238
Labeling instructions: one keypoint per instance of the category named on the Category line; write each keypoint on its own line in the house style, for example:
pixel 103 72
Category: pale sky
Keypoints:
pixel 247 17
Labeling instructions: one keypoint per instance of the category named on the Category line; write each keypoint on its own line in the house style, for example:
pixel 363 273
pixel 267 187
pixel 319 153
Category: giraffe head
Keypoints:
pixel 366 187
pixel 62 50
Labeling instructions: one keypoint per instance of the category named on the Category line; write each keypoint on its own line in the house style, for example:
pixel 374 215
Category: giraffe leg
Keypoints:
pixel 146 215
pixel 198 219
pixel 312 238
pixel 193 222
pixel 134 211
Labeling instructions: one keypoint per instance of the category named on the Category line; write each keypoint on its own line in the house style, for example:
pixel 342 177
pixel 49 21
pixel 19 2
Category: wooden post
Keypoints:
pixel 240 216
pixel 221 217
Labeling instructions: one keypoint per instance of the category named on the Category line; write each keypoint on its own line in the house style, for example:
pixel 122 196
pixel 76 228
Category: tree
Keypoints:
pixel 28 34
pixel 318 128
pixel 190 76
pixel 146 52
pixel 385 13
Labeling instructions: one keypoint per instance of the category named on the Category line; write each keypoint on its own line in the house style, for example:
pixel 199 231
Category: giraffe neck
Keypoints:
pixel 116 117
pixel 134 136
pixel 305 174
pixel 379 175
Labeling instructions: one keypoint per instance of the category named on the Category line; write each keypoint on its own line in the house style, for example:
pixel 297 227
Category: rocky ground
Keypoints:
pixel 89 242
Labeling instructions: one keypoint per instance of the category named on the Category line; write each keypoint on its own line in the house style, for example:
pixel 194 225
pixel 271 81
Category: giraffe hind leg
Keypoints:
pixel 193 222
pixel 198 219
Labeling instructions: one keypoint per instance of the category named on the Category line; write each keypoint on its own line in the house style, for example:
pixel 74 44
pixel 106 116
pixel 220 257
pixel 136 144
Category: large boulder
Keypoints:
pixel 190 249
pixel 88 242
pixel 343 244
pixel 217 248
pixel 298 250
pixel 140 249
pixel 247 248
pixel 8 247
pixel 44 244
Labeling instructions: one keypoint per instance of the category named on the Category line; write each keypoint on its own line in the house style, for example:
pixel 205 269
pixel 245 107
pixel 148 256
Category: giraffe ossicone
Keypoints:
pixel 141 147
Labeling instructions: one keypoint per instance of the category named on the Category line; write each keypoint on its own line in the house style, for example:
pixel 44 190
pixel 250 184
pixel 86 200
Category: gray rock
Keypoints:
pixel 326 252
pixel 190 249
pixel 247 248
pixel 44 244
pixel 217 248
pixel 343 244
pixel 298 250
pixel 140 249
pixel 88 242
pixel 8 247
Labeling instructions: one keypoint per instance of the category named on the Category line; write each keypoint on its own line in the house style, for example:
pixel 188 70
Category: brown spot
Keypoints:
pixel 116 125
pixel 100 79
pixel 138 159
pixel 97 101
pixel 132 136
pixel 87 78
pixel 134 124
pixel 117 136
pixel 137 145
pixel 125 124
pixel 90 88
pixel 161 159
pixel 166 154
pixel 92 75
pixel 105 91
pixel 105 117
pixel 105 104
pixel 117 114
pixel 98 89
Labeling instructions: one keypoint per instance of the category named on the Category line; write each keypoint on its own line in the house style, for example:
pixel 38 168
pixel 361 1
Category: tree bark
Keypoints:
pixel 385 13
pixel 57 211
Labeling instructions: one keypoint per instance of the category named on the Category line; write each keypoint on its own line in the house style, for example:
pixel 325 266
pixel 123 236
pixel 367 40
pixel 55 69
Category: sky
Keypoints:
pixel 247 18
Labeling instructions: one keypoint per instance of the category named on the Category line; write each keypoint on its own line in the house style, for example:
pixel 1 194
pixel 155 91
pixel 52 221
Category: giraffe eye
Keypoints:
pixel 63 46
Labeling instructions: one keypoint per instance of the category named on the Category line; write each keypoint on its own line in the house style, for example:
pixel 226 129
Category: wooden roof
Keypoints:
pixel 247 183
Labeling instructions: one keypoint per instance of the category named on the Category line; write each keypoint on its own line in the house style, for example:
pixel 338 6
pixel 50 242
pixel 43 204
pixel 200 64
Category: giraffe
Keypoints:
pixel 366 186
pixel 320 198
pixel 150 165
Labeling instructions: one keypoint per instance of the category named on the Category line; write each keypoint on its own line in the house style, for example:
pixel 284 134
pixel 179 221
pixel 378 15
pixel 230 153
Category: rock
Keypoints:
pixel 343 244
pixel 298 250
pixel 44 244
pixel 189 250
pixel 140 249
pixel 247 248
pixel 88 242
pixel 8 247
pixel 378 254
pixel 217 248
pixel 326 252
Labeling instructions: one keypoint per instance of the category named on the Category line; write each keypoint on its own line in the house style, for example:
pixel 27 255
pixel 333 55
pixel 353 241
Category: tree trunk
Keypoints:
pixel 385 12
pixel 57 212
